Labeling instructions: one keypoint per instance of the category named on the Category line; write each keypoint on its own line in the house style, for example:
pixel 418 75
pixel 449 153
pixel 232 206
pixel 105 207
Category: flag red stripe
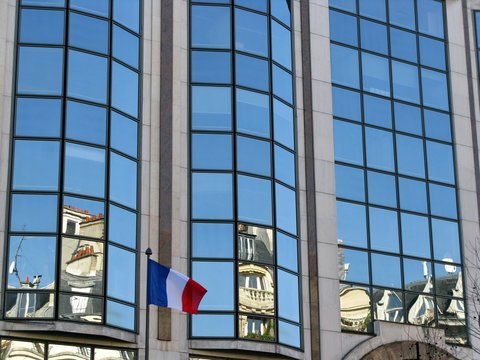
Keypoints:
pixel 192 295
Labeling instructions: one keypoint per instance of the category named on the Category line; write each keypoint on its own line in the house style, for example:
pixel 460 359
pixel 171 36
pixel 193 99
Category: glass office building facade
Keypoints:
pixel 313 164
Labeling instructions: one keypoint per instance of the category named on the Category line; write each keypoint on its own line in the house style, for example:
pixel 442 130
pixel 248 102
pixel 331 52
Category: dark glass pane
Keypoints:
pixel 344 63
pixel 38 117
pixel 123 180
pixel 41 26
pixel 373 8
pixel 281 45
pixel 212 151
pixel 82 267
pixel 281 9
pixel 253 156
pixel 350 183
pixel 289 334
pixel 435 89
pixel 87 76
pixel 351 224
pixel 432 53
pixel 79 161
pixel 123 134
pixel 31 262
pixel 410 157
pixel 430 17
pixel 34 213
pixel 408 118
pixel 88 33
pixel 211 67
pixel 255 243
pixel 346 104
pixel 256 328
pixel 211 108
pixel 348 142
pixel 253 113
pixel 260 5
pixel 217 277
pixel 254 200
pixel 383 230
pixel 283 124
pixel 36 165
pixel 122 226
pixel 405 82
pixel 386 271
pixel 379 146
pixel 127 13
pixel 284 166
pixel 373 36
pixel 446 241
pixel 124 89
pixel 286 209
pixel 443 201
pixel 382 189
pixel 437 125
pixel 415 235
pixel 125 46
pixel 376 74
pixel 83 217
pixel 377 111
pixel 212 240
pixel 251 32
pixel 30 305
pixel 343 28
pixel 207 325
pixel 40 70
pixel 287 253
pixel 402 13
pixel 86 122
pixel 251 72
pixel 448 279
pixel 77 308
pixel 288 300
pixel 206 33
pixel 403 45
pixel 212 196
pixel 119 315
pixel 121 273
pixel 440 162
pixel 413 195
pixel 256 289
pixel 353 265
pixel 97 7
pixel 282 84
pixel 417 275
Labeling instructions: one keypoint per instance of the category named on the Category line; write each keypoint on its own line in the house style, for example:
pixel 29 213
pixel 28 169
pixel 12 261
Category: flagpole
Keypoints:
pixel 148 252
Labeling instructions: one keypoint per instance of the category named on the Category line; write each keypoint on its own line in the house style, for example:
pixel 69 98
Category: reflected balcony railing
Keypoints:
pixel 256 300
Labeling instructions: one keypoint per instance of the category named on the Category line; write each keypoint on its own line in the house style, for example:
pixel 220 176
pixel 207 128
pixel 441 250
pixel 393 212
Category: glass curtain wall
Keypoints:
pixel 244 230
pixel 72 244
pixel 400 258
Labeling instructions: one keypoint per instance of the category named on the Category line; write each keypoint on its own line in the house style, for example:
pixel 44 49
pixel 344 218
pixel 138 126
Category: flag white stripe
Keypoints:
pixel 176 283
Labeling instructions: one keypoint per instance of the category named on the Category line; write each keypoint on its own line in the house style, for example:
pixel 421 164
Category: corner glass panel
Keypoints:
pixel 121 274
pixel 122 316
pixel 41 26
pixel 79 308
pixel 254 200
pixel 281 9
pixel 127 13
pixel 345 70
pixel 351 224
pixel 260 5
pixel 287 252
pixel 284 166
pixel 88 33
pixel 124 89
pixel 122 227
pixel 206 33
pixel 283 124
pixel 38 117
pixel 86 122
pixel 218 278
pixel 251 32
pixel 376 74
pixel 212 240
pixel 123 134
pixel 281 49
pixel 282 84
pixel 286 209
pixel 440 162
pixel 288 301
pixel 123 180
pixel 125 46
pixel 443 201
pixel 212 196
pixel 211 108
pixel 34 213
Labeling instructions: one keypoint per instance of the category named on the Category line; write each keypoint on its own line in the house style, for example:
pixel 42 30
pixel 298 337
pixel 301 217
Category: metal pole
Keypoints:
pixel 148 252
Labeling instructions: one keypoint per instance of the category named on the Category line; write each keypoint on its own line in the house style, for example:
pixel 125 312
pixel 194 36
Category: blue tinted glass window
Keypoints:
pixel 120 315
pixel 415 235
pixel 41 26
pixel 343 28
pixel 251 72
pixel 251 32
pixel 122 226
pixel 446 241
pixel 88 33
pixel 283 124
pixel 348 142
pixel 87 76
pixel 253 156
pixel 377 111
pixel 379 146
pixel 281 45
pixel 408 118
pixel 121 274
pixel 123 134
pixel 127 13
pixel 346 104
pixel 383 230
pixel 124 89
pixel 405 82
pixel 207 33
pixel 253 113
pixel 40 70
pixel 430 17
pixel 86 122
pixel 344 66
pixel 348 5
pixel 38 117
pixel 386 271
pixel 413 195
pixel 97 7
pixel 212 240
pixel 440 162
pixel 206 325
pixel 373 8
pixel 211 67
pixel 281 10
pixel 34 213
pixel 217 277
pixel 373 36
pixel 351 224
pixel 350 182
pixel 254 200
pixel 410 158
pixel 288 301
pixel 125 46
pixel 284 166
pixel 402 13
pixel 123 180
pixel 376 74
pixel 286 209
pixel 44 2
pixel 382 189
pixel 260 5
pixel 432 53
pixel 443 201
pixel 287 253
pixel 437 125
pixel 282 84
pixel 354 266
pixel 435 89
pixel 212 196
pixel 289 334
pixel 211 108
pixel 403 45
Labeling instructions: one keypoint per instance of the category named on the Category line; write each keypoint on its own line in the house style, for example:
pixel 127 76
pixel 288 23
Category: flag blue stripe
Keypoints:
pixel 157 283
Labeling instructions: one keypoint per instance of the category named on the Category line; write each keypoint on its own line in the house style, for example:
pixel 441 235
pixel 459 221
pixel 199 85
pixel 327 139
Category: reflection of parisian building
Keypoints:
pixel 313 164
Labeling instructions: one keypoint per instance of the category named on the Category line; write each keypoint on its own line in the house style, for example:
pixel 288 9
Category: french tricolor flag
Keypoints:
pixel 169 288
